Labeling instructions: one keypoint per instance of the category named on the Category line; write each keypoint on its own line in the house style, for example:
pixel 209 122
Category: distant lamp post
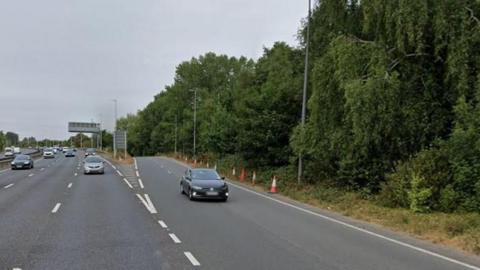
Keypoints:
pixel 304 97
pixel 114 127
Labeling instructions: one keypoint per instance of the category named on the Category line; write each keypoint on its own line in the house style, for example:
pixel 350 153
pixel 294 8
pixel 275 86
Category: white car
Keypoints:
pixel 8 151
pixel 48 153
pixel 16 150
pixel 64 149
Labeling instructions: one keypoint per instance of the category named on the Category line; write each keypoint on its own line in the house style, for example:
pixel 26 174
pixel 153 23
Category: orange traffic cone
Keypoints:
pixel 273 188
pixel 254 177
pixel 242 175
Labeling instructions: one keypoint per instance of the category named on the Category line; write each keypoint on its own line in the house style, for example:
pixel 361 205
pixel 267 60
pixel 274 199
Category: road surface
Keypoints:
pixel 133 217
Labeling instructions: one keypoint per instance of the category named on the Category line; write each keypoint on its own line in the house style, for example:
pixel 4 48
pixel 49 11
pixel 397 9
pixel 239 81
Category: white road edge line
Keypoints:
pixel 16 268
pixel 191 258
pixel 136 172
pixel 140 182
pixel 174 238
pixel 70 185
pixel 362 230
pixel 8 186
pixel 128 183
pixel 119 173
pixel 113 167
pixel 162 224
pixel 55 209
pixel 135 161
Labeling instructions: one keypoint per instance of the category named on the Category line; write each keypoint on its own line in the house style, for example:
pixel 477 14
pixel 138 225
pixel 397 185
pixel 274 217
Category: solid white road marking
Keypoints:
pixel 114 167
pixel 162 224
pixel 135 161
pixel 361 229
pixel 57 206
pixel 75 174
pixel 16 268
pixel 174 238
pixel 191 258
pixel 128 183
pixel 119 173
pixel 141 183
pixel 69 185
pixel 8 186
pixel 147 203
pixel 136 172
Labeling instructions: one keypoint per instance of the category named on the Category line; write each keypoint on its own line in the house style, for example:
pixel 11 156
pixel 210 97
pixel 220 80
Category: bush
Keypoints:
pixel 420 182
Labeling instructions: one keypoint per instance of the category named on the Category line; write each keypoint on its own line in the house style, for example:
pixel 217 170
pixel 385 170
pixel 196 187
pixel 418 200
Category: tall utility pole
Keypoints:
pixel 176 124
pixel 195 123
pixel 114 128
pixel 304 98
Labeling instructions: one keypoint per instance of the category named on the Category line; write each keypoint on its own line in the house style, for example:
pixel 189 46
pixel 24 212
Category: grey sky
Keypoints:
pixel 63 60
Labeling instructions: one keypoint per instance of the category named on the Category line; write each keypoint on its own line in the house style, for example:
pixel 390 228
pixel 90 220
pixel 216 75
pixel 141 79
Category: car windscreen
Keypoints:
pixel 205 175
pixel 93 160
pixel 22 157
pixel 91 150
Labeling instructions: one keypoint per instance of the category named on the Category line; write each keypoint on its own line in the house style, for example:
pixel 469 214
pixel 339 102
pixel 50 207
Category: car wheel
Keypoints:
pixel 224 199
pixel 181 189
pixel 190 195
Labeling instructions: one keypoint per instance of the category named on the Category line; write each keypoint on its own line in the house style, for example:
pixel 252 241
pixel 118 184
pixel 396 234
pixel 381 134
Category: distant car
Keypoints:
pixel 8 151
pixel 16 150
pixel 90 152
pixel 22 162
pixel 69 153
pixel 74 149
pixel 93 164
pixel 204 184
pixel 48 153
pixel 64 149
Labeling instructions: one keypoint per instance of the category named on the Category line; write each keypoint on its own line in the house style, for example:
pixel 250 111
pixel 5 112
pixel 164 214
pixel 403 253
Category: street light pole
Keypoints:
pixel 195 123
pixel 114 128
pixel 176 124
pixel 304 97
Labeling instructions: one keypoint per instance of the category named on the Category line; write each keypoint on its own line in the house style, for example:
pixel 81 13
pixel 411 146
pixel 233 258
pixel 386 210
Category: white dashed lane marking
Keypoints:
pixel 69 185
pixel 191 258
pixel 55 209
pixel 174 238
pixel 140 182
pixel 128 183
pixel 8 186
pixel 162 224
pixel 30 175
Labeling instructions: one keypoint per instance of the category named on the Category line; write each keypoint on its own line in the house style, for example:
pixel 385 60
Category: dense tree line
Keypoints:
pixel 393 109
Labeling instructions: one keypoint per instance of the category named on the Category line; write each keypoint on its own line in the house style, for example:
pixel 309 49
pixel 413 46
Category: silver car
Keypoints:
pixel 93 164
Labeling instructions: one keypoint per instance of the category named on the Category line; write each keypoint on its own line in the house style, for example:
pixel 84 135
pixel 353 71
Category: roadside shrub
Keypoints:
pixel 419 183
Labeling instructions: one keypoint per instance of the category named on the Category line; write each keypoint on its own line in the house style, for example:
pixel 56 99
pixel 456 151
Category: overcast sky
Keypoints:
pixel 65 60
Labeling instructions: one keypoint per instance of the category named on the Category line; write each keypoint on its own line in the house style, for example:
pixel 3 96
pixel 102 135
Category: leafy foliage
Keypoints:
pixel 393 103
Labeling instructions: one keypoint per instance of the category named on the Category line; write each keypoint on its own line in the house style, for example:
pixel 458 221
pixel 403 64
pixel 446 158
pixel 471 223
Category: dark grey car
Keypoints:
pixel 22 162
pixel 204 184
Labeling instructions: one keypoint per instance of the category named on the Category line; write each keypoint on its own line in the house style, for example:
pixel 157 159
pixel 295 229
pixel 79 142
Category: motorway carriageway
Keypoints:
pixel 54 217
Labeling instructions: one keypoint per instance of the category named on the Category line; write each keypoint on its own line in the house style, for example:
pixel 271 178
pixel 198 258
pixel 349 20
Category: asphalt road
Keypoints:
pixel 133 217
